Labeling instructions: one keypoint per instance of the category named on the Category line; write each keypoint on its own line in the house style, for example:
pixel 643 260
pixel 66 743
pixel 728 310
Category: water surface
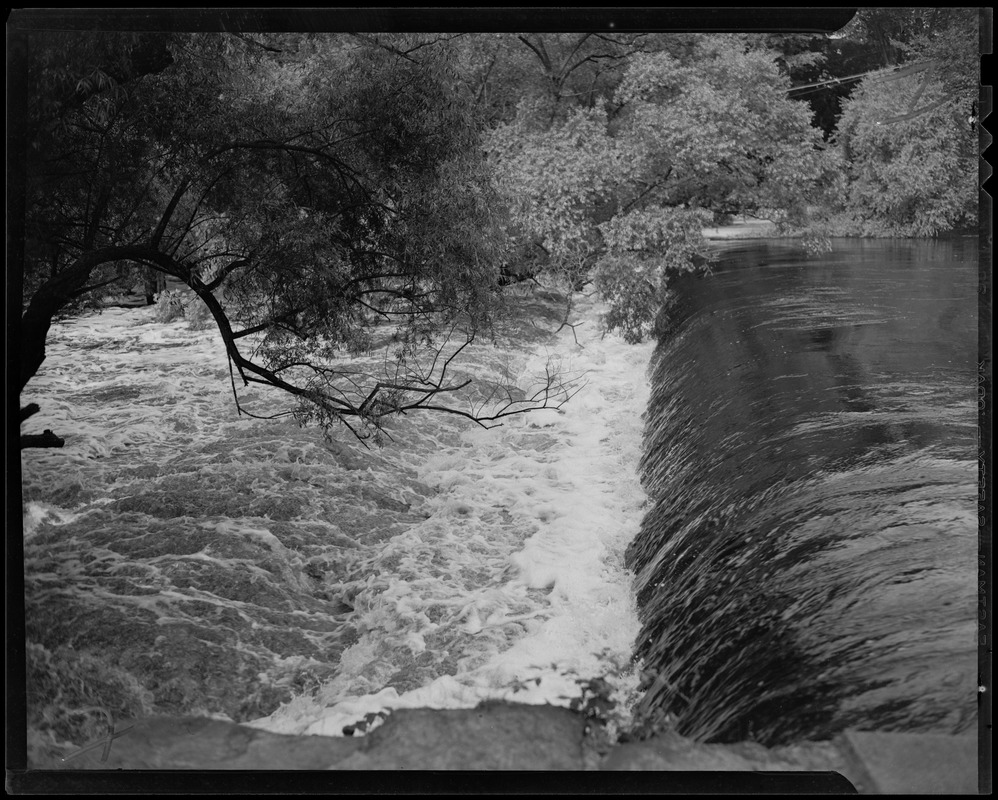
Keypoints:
pixel 807 563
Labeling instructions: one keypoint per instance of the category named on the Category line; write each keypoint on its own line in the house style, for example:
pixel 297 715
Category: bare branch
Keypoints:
pixel 92 287
pixel 223 273
pixel 566 324
pixel 542 56
pixel 565 71
pixel 254 42
pixel 168 213
pixel 378 43
pixel 423 376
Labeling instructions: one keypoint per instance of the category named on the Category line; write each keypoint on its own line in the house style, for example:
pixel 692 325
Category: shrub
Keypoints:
pixel 169 305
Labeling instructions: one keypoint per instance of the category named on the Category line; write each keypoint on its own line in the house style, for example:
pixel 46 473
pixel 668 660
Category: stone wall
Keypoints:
pixel 513 739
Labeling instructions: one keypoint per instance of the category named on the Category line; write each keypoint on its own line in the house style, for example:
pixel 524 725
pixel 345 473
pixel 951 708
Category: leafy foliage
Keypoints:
pixel 717 131
pixel 170 305
pixel 644 249
pixel 886 32
pixel 556 181
pixel 311 192
pixel 323 193
pixel 909 149
pixel 702 131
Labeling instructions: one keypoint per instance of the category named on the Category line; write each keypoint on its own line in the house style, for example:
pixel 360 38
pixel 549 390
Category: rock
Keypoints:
pixel 740 768
pixel 165 743
pixel 669 751
pixel 516 737
pixel 911 763
pixel 383 500
pixel 811 756
pixel 494 736
pixel 346 456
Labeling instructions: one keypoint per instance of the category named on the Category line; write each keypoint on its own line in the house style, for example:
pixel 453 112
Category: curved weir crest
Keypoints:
pixel 808 560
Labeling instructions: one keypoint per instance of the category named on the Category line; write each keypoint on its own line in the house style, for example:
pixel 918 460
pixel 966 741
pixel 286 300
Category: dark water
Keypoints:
pixel 808 560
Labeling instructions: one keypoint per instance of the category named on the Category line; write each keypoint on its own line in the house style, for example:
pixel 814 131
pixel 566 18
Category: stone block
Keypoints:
pixel 166 743
pixel 911 763
pixel 494 736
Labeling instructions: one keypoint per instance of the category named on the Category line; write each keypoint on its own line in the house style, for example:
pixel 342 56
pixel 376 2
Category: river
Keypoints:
pixel 807 560
pixel 803 533
pixel 181 559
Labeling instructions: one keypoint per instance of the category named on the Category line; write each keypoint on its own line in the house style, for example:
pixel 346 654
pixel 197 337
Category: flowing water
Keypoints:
pixel 181 559
pixel 807 562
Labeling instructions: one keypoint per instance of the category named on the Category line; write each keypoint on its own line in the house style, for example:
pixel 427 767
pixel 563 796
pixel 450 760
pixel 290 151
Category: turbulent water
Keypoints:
pixel 805 564
pixel 181 559
pixel 808 561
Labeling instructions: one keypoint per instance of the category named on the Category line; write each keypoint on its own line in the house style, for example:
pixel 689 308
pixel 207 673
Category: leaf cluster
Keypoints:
pixel 317 194
pixel 907 139
pixel 696 130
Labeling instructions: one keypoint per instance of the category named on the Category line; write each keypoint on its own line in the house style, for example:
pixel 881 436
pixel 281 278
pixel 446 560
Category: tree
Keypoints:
pixel 310 190
pixel 907 139
pixel 718 133
pixel 580 69
pixel 887 32
pixel 703 131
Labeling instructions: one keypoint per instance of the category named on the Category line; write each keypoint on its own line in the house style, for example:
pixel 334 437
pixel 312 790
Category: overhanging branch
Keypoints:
pixel 46 439
pixel 422 379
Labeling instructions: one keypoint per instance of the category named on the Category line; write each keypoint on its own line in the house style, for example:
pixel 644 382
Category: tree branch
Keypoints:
pixel 261 45
pixel 225 271
pixel 421 387
pixel 168 213
pixel 545 61
pixel 46 439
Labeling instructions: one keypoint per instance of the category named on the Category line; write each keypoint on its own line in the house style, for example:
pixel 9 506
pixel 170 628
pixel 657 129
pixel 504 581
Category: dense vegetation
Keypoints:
pixel 908 139
pixel 311 189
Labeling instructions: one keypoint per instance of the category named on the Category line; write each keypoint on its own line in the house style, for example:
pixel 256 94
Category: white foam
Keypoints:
pixel 510 583
pixel 560 608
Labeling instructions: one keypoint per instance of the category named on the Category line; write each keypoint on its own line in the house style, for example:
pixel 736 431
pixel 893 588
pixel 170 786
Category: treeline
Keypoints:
pixel 906 144
pixel 309 188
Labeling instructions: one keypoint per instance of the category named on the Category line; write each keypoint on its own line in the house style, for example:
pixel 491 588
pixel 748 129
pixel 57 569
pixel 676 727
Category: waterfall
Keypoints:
pixel 807 561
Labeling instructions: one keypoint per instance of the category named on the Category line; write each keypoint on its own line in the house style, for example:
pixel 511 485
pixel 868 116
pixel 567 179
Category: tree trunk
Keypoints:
pixel 153 283
pixel 54 294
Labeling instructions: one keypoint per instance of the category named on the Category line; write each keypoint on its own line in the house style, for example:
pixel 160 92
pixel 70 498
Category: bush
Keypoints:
pixel 644 249
pixel 909 177
pixel 622 198
pixel 910 151
pixel 169 305
pixel 174 304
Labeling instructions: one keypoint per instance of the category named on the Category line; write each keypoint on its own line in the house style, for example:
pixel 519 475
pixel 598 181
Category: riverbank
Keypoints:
pixel 742 228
